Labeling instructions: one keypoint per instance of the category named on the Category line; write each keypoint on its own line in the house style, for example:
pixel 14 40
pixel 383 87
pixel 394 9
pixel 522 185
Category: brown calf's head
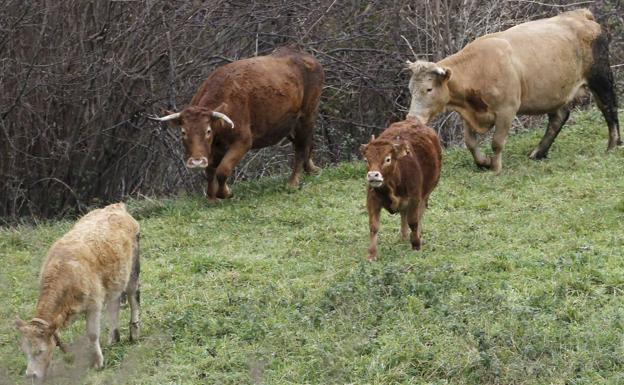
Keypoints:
pixel 38 343
pixel 429 89
pixel 198 125
pixel 381 157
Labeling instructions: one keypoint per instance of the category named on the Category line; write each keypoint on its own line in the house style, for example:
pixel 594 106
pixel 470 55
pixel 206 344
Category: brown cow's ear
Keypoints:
pixel 173 122
pixel 447 74
pixel 363 149
pixel 399 150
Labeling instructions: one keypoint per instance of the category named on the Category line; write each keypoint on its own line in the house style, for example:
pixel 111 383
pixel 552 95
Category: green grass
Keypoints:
pixel 520 280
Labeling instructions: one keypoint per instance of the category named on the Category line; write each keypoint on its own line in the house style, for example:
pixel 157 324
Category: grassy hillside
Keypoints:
pixel 520 280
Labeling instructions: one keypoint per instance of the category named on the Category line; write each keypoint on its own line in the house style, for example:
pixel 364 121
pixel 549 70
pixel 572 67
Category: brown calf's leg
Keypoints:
pixel 405 231
pixel 93 334
pixel 374 211
pixel 414 220
pixel 470 138
pixel 231 158
pixel 556 120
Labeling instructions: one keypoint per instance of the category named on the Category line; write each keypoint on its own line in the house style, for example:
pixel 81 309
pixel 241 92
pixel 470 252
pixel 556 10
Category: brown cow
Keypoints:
pixel 533 68
pixel 87 268
pixel 403 168
pixel 247 104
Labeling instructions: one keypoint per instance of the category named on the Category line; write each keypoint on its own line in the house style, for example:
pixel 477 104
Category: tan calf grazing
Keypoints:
pixel 537 67
pixel 88 268
pixel 403 168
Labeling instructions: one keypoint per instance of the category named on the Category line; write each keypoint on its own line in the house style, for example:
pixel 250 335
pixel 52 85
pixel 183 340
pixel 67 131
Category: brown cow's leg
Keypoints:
pixel 300 154
pixel 213 185
pixel 231 158
pixel 374 211
pixel 307 128
pixel 470 138
pixel 556 120
pixel 602 85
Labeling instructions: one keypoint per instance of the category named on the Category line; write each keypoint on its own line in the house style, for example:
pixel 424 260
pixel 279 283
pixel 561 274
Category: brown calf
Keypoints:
pixel 87 268
pixel 249 104
pixel 403 168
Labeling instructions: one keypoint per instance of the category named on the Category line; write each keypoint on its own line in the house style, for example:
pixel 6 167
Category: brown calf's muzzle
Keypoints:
pixel 374 178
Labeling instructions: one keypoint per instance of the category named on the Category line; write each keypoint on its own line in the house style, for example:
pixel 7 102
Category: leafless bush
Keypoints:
pixel 78 77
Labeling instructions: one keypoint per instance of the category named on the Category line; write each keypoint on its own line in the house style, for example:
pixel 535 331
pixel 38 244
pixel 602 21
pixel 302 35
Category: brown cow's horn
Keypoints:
pixel 166 118
pixel 224 117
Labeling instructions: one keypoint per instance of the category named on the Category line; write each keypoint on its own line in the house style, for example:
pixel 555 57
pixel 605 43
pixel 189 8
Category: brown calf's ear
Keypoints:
pixel 400 150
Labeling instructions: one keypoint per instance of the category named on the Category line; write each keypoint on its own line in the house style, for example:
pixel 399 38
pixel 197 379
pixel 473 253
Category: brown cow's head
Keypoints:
pixel 198 125
pixel 429 88
pixel 381 157
pixel 38 343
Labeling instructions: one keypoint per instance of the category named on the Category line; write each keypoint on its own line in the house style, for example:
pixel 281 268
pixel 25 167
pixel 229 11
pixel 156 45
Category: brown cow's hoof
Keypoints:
pixel 312 169
pixel 225 193
pixel 416 245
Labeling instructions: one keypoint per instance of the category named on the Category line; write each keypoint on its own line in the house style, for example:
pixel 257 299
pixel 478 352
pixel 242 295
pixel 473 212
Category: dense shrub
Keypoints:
pixel 77 79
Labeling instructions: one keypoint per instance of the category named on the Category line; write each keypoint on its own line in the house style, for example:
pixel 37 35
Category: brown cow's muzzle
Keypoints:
pixel 375 179
pixel 197 162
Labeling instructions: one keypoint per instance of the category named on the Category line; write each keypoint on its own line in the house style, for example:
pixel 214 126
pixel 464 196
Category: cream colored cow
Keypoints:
pixel 534 68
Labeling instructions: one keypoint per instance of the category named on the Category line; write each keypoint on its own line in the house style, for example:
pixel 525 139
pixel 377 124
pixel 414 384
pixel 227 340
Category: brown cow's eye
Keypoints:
pixel 429 89
pixel 388 159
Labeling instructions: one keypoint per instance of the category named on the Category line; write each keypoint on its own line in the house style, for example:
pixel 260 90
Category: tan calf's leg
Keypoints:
pixel 113 316
pixel 374 211
pixel 93 333
pixel 134 293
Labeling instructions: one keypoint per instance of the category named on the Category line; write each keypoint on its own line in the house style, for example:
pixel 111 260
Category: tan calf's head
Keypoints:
pixel 429 89
pixel 381 157
pixel 38 343
pixel 197 125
